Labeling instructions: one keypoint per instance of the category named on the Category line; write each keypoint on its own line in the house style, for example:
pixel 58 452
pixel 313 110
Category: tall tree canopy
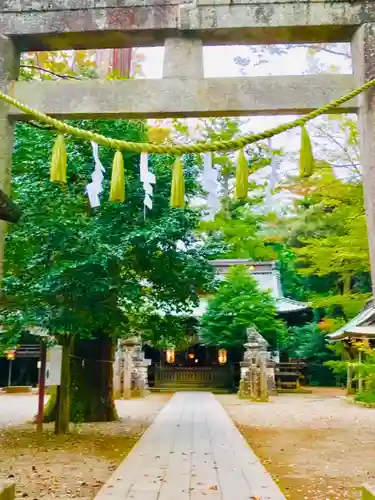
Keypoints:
pixel 85 273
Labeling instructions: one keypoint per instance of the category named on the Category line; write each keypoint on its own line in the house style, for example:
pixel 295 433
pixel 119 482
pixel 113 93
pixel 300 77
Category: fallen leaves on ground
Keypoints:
pixel 316 447
pixel 72 466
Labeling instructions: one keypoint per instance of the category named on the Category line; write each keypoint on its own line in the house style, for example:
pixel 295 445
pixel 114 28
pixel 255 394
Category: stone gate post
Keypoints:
pixel 9 67
pixel 363 56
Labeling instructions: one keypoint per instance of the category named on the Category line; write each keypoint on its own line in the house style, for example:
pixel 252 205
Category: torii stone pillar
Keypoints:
pixel 363 60
pixel 9 67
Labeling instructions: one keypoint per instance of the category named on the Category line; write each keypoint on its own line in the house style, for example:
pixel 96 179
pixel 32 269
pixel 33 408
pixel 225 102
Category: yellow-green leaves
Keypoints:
pixel 178 185
pixel 306 161
pixel 58 161
pixel 117 192
pixel 242 176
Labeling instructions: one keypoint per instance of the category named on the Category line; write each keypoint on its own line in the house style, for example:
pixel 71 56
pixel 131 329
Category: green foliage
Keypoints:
pixel 237 305
pixel 308 342
pixel 239 228
pixel 73 269
pixel 325 230
pixel 364 369
pixel 329 226
pixel 365 397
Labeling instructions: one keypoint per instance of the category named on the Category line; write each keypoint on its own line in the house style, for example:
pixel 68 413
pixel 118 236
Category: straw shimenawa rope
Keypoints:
pixel 179 149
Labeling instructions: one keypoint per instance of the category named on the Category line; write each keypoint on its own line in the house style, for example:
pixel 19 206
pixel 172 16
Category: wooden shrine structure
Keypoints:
pixel 359 332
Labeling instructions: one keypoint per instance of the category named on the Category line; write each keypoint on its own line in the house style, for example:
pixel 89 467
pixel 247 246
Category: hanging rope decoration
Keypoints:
pixel 178 185
pixel 242 176
pixel 117 191
pixel 59 161
pixel 306 161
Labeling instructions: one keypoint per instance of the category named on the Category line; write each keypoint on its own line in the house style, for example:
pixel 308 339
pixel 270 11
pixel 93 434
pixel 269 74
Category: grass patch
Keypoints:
pixel 365 397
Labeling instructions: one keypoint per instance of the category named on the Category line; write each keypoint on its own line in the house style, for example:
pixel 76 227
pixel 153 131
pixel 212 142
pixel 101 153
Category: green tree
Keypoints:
pixel 239 228
pixel 82 274
pixel 237 305
pixel 326 231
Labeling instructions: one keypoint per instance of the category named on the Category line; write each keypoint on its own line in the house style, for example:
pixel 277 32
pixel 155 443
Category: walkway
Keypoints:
pixel 191 451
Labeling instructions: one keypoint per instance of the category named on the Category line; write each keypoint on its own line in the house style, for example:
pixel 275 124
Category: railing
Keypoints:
pixel 220 377
pixel 26 351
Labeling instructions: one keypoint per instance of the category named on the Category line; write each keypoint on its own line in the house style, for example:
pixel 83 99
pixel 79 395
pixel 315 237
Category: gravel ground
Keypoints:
pixel 317 446
pixel 73 466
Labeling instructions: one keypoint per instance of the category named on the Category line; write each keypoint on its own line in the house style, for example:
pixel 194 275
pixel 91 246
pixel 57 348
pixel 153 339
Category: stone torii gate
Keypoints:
pixel 184 26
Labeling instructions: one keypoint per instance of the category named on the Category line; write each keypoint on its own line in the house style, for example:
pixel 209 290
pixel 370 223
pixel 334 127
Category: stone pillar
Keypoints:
pixel 183 58
pixel 140 373
pixel 263 378
pixel 117 373
pixel 349 380
pixel 127 376
pixel 363 54
pixel 271 382
pixel 127 348
pixel 9 67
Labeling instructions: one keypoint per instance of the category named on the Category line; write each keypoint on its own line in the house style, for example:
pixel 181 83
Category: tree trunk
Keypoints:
pixel 91 383
pixel 92 380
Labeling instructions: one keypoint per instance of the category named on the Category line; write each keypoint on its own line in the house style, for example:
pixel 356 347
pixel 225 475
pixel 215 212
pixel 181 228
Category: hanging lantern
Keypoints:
pixel 191 355
pixel 222 356
pixel 170 356
pixel 11 355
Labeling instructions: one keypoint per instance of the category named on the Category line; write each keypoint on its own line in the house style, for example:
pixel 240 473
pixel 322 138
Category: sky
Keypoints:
pixel 220 62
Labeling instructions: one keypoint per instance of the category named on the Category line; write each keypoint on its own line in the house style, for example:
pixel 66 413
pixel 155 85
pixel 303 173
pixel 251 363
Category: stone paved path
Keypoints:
pixel 191 451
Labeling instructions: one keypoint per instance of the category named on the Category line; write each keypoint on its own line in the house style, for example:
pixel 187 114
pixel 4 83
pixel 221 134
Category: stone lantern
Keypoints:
pixel 257 371
pixel 130 369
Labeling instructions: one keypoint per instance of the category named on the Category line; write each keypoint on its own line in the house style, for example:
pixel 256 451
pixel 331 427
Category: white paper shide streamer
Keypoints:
pixel 95 187
pixel 210 185
pixel 147 179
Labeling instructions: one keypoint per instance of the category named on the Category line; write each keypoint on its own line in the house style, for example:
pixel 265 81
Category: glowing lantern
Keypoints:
pixel 222 357
pixel 169 356
pixel 11 355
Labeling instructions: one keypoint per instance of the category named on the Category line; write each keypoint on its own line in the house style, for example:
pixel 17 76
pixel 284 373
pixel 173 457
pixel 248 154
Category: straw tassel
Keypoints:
pixel 306 161
pixel 242 176
pixel 117 191
pixel 178 185
pixel 58 161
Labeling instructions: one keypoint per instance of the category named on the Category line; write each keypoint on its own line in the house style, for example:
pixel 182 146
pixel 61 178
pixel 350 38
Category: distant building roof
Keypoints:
pixel 265 273
pixel 268 279
pixel 361 326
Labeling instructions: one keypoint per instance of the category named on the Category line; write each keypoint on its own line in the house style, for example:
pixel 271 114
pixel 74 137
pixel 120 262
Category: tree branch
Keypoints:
pixel 325 49
pixel 58 75
pixel 344 148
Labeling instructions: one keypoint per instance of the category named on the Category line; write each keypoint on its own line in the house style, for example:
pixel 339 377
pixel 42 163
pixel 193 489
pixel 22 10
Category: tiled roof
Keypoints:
pixel 365 319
